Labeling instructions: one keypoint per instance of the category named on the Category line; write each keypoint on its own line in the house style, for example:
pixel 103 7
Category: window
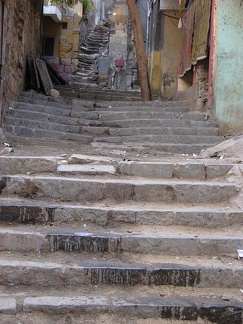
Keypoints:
pixel 48 47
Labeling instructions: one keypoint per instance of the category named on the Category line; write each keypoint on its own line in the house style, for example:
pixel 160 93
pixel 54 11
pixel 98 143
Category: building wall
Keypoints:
pixel 51 28
pixel 228 65
pixel 170 54
pixel 67 34
pixel 163 60
pixel 22 36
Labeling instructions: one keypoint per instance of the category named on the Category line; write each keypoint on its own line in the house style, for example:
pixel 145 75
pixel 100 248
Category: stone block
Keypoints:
pixel 219 246
pixel 121 216
pixel 214 171
pixel 22 241
pixel 191 171
pixel 58 305
pixel 161 246
pixel 150 217
pixel 81 215
pixel 8 305
pixel 86 169
pixel 141 169
pixel 9 165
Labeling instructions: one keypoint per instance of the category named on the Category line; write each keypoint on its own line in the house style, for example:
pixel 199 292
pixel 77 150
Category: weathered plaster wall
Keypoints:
pixel 22 36
pixel 228 83
pixel 170 58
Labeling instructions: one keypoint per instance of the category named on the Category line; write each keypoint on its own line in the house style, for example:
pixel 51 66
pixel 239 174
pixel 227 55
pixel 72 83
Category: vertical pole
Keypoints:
pixel 140 51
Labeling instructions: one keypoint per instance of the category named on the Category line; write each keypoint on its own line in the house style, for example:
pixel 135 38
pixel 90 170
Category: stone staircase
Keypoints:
pixel 103 239
pixel 93 47
pixel 89 92
pixel 166 126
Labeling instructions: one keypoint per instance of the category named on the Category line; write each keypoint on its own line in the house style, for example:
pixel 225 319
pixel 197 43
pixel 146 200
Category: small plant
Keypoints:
pixel 87 4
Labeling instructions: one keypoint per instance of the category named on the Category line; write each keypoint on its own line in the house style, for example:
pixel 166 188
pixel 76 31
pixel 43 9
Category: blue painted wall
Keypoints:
pixel 229 66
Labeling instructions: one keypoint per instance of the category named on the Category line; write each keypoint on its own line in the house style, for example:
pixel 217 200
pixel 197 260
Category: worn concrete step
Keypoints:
pixel 40 124
pixel 200 131
pixel 43 212
pixel 118 93
pixel 176 139
pixel 197 171
pixel 130 106
pixel 140 115
pixel 40 98
pixel 166 148
pixel 82 269
pixel 22 131
pixel 48 108
pixel 150 168
pixel 41 116
pixel 172 240
pixel 148 108
pixel 90 93
pixel 159 123
pixel 133 305
pixel 86 189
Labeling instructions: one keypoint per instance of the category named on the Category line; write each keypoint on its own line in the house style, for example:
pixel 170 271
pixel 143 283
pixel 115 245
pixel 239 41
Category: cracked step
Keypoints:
pixel 94 190
pixel 43 212
pixel 137 238
pixel 134 305
pixel 83 269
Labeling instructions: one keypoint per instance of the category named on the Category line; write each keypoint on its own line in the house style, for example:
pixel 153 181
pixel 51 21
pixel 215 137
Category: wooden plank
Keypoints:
pixel 44 76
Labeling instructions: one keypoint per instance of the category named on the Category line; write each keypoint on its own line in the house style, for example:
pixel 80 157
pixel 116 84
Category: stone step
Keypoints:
pixel 171 139
pixel 174 241
pixel 40 98
pixel 117 106
pixel 80 270
pixel 43 212
pixel 47 108
pixel 120 190
pixel 46 111
pixel 197 171
pixel 189 168
pixel 149 109
pixel 133 305
pixel 42 116
pixel 125 95
pixel 35 125
pixel 203 131
pixel 147 147
pixel 158 123
pixel 87 94
pixel 140 115
pixel 20 111
pixel 26 132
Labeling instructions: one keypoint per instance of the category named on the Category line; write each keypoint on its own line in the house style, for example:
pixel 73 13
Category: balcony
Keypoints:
pixel 53 12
